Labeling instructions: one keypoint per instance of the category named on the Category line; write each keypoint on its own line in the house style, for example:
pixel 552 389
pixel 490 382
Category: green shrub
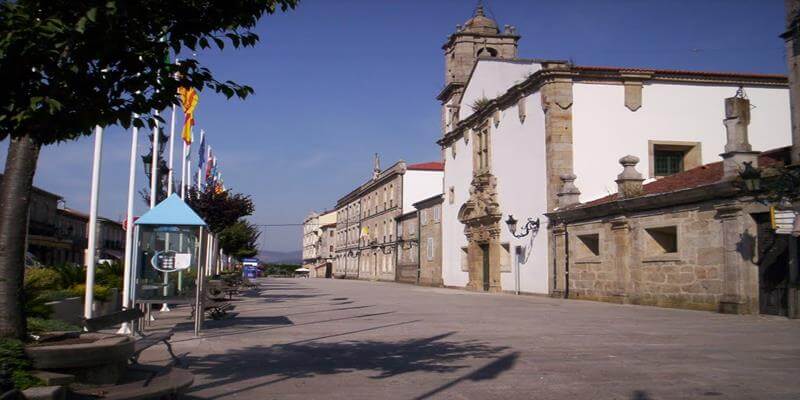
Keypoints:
pixel 12 355
pixel 101 293
pixel 41 325
pixel 110 275
pixel 39 279
pixel 70 275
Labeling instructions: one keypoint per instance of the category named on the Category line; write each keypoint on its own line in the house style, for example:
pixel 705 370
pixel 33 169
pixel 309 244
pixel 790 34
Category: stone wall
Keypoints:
pixel 431 270
pixel 672 257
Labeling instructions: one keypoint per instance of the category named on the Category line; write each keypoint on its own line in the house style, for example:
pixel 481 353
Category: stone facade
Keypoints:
pixel 618 258
pixel 429 217
pixel 348 231
pixel 380 206
pixel 408 247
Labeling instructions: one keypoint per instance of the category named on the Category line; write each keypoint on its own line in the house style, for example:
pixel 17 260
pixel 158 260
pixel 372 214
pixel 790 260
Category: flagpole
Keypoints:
pixel 165 306
pixel 183 173
pixel 125 329
pixel 154 165
pixel 92 245
pixel 171 147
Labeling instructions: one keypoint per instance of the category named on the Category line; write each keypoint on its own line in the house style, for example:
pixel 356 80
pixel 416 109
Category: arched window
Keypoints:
pixel 487 52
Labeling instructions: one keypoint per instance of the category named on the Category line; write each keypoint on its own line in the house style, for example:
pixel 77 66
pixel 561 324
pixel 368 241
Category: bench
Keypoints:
pixel 214 303
pixel 144 341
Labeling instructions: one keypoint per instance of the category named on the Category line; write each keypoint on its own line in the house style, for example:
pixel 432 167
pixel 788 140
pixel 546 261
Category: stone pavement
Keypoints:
pixel 341 339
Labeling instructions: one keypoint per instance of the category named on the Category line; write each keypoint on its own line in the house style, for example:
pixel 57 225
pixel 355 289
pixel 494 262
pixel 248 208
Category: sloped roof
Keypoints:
pixel 172 211
pixel 696 177
pixel 427 166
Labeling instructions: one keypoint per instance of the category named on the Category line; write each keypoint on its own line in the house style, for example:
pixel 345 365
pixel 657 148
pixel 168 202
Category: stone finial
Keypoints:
pixel 569 193
pixel 629 182
pixel 376 170
pixel 737 146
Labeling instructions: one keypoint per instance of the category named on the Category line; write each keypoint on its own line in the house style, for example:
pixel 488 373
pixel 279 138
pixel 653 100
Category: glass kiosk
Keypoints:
pixel 169 257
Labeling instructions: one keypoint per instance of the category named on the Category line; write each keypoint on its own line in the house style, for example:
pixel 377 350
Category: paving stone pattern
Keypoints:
pixel 343 339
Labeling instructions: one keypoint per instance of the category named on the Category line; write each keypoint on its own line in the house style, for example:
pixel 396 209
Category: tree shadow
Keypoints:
pixel 384 359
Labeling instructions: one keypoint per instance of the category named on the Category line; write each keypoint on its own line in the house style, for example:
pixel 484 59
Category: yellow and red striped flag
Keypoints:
pixel 189 101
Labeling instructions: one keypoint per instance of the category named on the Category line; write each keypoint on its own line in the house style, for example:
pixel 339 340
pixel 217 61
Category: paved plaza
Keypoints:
pixel 343 339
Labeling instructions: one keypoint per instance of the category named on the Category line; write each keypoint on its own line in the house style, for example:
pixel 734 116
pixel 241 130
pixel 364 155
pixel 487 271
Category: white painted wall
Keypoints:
pixel 518 162
pixel 604 130
pixel 492 78
pixel 420 185
pixel 457 174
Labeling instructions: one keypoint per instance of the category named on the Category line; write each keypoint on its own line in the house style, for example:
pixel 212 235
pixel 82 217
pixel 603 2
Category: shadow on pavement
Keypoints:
pixel 384 359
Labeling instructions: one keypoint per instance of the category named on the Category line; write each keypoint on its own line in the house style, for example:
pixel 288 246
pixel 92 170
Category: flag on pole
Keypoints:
pixel 201 160
pixel 189 101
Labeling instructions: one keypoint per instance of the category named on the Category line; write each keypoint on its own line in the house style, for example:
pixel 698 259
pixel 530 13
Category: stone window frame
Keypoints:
pixel 583 258
pixel 643 236
pixel 482 149
pixel 693 154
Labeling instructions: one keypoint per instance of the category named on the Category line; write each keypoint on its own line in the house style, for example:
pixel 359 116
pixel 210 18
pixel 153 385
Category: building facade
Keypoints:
pixel 430 240
pixel 514 126
pixel 408 247
pixel 315 227
pixel 372 253
pixel 693 240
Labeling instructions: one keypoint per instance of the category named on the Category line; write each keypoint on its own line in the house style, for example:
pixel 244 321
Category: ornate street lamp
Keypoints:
pixel 531 227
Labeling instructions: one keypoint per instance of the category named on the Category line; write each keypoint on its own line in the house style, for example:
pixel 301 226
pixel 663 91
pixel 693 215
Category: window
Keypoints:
pixel 437 214
pixel 667 158
pixel 331 249
pixel 668 162
pixel 481 155
pixel 588 245
pixel 430 249
pixel 661 240
pixel 423 217
pixel 400 230
pixel 411 229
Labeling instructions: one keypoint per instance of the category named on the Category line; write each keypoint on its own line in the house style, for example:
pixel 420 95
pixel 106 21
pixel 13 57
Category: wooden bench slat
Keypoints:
pixel 113 319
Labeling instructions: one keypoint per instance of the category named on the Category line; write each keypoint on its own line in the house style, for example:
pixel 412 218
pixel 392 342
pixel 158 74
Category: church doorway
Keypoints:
pixel 486 267
pixel 773 267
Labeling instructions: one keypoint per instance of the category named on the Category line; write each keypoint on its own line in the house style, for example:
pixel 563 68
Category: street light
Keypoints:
pixel 531 227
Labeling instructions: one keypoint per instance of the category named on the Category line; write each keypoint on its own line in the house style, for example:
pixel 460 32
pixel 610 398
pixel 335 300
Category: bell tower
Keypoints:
pixel 479 37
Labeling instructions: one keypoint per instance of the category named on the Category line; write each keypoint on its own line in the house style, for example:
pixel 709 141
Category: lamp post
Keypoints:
pixel 531 227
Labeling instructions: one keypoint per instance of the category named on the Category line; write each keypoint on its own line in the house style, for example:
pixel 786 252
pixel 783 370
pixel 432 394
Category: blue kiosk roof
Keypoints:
pixel 172 211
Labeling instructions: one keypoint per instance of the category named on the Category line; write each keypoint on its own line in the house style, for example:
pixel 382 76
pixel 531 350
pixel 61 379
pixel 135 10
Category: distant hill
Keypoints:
pixel 281 257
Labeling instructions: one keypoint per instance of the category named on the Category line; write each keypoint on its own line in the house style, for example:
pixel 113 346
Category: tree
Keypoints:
pixel 220 209
pixel 240 240
pixel 69 66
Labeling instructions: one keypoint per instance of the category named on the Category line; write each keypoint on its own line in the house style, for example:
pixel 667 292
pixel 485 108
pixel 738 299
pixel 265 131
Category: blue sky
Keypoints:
pixel 338 81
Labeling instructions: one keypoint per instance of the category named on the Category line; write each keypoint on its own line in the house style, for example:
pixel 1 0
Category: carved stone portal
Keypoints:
pixel 481 217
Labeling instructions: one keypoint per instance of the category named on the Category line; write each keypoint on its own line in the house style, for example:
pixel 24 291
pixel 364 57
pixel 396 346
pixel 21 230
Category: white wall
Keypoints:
pixel 492 78
pixel 518 163
pixel 604 130
pixel 420 185
pixel 458 174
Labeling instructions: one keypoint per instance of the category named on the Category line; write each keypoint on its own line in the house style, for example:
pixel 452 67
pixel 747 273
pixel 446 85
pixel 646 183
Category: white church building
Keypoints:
pixel 512 127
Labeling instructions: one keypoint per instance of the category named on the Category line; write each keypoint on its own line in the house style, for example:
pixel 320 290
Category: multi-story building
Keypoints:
pixel 310 238
pixel 380 201
pixel 408 247
pixel 430 240
pixel 326 252
pixel 315 227
pixel 58 235
pixel 513 127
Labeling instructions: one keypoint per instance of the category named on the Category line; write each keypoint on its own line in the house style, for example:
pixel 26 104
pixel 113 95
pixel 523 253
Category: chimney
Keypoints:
pixel 629 182
pixel 737 147
pixel 376 170
pixel 569 193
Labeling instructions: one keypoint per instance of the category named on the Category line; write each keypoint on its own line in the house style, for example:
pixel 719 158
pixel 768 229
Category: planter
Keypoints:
pixel 96 358
pixel 71 310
